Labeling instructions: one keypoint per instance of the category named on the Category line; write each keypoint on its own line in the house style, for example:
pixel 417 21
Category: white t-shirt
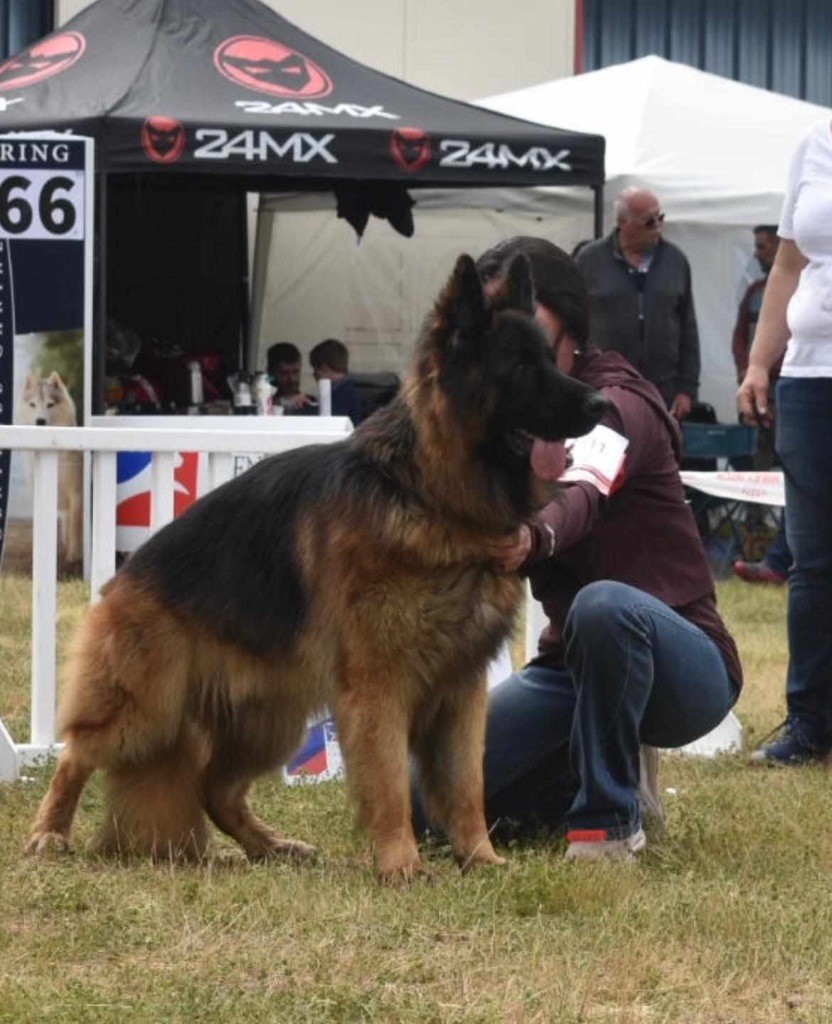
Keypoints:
pixel 807 220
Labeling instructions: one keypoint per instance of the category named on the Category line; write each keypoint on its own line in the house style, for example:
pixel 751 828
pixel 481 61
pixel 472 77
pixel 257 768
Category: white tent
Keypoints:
pixel 715 151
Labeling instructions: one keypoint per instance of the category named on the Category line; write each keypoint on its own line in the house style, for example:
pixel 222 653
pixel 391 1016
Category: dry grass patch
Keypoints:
pixel 726 920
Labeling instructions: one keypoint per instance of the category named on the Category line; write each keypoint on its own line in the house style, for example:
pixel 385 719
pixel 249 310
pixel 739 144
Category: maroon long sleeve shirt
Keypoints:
pixel 644 534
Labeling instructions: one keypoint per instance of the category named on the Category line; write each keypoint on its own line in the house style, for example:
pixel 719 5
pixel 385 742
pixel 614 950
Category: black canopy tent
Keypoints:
pixel 210 99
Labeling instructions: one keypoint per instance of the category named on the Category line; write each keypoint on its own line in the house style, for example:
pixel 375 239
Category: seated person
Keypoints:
pixel 330 360
pixel 635 651
pixel 774 566
pixel 283 366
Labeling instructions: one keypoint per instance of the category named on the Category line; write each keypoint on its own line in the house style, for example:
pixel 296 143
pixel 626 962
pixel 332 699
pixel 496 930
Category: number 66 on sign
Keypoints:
pixel 41 204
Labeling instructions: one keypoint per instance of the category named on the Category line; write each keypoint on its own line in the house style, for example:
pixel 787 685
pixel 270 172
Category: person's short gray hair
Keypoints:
pixel 621 208
pixel 622 201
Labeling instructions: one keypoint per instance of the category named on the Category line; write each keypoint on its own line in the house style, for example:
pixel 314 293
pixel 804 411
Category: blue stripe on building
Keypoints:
pixel 784 46
pixel 22 22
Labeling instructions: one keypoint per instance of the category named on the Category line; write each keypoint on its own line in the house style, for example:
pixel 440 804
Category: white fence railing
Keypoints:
pixel 103 443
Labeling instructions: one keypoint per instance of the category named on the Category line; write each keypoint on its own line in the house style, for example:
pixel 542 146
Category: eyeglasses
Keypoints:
pixel 653 221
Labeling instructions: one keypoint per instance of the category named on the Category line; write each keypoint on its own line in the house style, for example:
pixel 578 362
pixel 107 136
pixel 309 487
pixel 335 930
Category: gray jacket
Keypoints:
pixel 647 317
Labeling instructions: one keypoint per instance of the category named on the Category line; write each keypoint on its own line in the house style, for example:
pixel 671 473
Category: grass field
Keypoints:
pixel 727 919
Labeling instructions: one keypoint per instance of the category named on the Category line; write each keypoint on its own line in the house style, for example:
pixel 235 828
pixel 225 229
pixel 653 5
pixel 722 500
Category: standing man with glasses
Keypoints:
pixel 640 300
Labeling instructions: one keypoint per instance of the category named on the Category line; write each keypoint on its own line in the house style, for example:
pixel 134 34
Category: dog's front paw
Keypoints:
pixel 482 855
pixel 286 849
pixel 400 867
pixel 41 844
pixel 404 876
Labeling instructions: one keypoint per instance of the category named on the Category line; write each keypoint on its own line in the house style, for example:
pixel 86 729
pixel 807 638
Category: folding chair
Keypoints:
pixel 719 520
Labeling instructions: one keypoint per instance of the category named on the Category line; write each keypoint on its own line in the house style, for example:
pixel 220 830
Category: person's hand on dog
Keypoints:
pixel 511 551
pixel 753 397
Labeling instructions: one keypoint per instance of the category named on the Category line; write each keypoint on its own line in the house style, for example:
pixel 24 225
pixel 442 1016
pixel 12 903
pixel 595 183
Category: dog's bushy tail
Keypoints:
pixel 154 809
pixel 124 711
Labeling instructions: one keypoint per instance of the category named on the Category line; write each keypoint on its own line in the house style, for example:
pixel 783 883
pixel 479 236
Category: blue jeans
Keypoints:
pixel 804 446
pixel 564 743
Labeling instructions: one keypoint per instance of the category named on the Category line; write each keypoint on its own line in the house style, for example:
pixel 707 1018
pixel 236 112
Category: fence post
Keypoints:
pixel 44 596
pixel 535 622
pixel 221 468
pixel 103 520
pixel 162 488
pixel 8 756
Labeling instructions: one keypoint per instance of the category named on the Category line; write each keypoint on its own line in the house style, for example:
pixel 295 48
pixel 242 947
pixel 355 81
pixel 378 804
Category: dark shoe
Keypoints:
pixel 759 572
pixel 790 746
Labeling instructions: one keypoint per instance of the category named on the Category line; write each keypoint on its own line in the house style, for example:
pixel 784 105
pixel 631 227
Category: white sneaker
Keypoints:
pixel 582 847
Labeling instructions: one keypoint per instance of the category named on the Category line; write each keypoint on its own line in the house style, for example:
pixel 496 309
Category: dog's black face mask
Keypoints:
pixel 499 370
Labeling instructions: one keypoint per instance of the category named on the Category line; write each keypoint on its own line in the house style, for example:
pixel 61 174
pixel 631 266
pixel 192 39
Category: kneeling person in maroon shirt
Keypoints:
pixel 635 651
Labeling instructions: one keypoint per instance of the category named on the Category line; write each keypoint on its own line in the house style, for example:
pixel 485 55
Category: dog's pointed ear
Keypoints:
pixel 469 316
pixel 31 380
pixel 57 382
pixel 518 289
pixel 460 311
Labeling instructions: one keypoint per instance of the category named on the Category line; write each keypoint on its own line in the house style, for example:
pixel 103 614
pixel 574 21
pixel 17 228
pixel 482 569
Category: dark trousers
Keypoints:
pixel 804 446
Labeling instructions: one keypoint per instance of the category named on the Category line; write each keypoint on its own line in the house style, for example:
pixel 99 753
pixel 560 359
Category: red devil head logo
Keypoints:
pixel 267 66
pixel 163 139
pixel 410 148
pixel 43 60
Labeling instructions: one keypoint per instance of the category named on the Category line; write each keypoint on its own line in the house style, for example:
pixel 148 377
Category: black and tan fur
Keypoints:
pixel 353 575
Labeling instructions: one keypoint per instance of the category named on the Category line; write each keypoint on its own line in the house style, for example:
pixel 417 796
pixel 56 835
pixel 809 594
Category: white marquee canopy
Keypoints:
pixel 715 151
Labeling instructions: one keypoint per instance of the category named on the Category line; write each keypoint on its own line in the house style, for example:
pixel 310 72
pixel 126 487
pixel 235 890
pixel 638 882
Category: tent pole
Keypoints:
pixel 99 333
pixel 598 209
pixel 262 245
pixel 245 314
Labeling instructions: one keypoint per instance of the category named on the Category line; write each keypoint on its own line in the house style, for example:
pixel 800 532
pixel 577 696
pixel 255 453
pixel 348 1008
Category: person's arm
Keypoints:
pixel 689 360
pixel 739 340
pixel 563 522
pixel 573 514
pixel 772 333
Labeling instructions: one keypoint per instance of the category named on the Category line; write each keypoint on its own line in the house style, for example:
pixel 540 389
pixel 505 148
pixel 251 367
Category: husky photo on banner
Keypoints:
pixel 45 325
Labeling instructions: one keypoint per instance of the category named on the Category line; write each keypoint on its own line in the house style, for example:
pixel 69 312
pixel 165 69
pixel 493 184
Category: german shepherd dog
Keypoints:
pixel 354 575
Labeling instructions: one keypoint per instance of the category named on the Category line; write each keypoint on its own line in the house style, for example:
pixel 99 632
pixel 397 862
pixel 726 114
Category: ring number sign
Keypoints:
pixel 46 207
pixel 41 204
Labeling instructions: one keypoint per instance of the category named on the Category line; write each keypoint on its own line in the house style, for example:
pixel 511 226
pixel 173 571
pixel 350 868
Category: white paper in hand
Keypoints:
pixel 597 458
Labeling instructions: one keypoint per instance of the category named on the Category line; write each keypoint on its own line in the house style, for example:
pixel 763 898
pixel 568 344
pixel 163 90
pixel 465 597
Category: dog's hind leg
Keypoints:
pixel 449 753
pixel 229 809
pixel 50 830
pixel 253 736
pixel 373 729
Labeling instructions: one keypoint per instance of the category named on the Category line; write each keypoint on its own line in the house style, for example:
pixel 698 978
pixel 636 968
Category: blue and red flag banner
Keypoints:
pixel 319 759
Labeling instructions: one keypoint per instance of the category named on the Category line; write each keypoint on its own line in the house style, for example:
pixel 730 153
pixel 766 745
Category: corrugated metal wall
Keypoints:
pixel 22 22
pixel 785 45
